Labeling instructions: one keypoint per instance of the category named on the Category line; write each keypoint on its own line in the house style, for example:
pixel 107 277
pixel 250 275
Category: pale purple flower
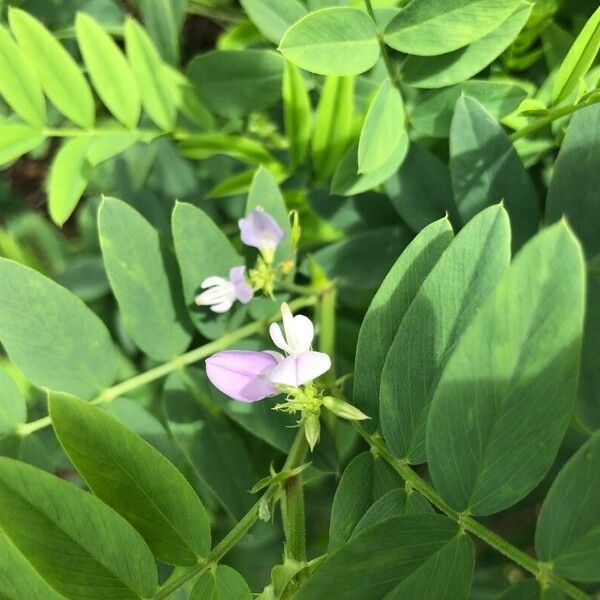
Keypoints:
pixel 302 364
pixel 220 294
pixel 242 374
pixel 260 230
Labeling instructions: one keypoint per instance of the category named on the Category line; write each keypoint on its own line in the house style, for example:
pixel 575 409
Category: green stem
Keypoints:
pixel 175 364
pixel 294 459
pixel 384 49
pixel 540 570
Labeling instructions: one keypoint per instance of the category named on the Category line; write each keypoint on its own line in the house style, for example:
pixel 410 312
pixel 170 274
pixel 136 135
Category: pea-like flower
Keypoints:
pixel 301 364
pixel 220 294
pixel 260 230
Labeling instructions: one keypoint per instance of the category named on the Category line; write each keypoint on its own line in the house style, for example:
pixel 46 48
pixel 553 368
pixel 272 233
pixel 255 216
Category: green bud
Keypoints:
pixel 343 409
pixel 312 430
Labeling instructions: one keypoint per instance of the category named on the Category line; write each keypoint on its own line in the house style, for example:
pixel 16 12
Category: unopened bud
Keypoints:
pixel 343 409
pixel 296 231
pixel 312 430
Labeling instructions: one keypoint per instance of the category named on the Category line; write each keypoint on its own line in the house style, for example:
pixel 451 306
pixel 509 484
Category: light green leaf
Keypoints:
pixel 205 145
pixel 139 274
pixel 222 583
pixel 60 75
pixel 109 71
pixel 579 59
pixel 93 552
pixel 273 17
pixel 332 41
pixel 486 169
pixel 414 556
pixel 387 310
pixel 383 129
pixel 133 478
pixel 71 350
pixel 347 181
pixel 235 82
pixel 421 190
pixel 18 578
pixel 203 250
pixel 505 397
pixel 148 69
pixel 432 27
pixel 432 114
pixel 215 451
pixel 13 410
pixel 19 85
pixel 365 480
pixel 333 124
pixel 433 323
pixel 297 113
pixel 17 139
pixel 460 65
pixel 107 145
pixel 568 529
pixel 68 178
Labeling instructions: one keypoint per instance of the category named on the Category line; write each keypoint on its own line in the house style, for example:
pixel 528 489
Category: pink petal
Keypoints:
pixel 242 374
pixel 259 229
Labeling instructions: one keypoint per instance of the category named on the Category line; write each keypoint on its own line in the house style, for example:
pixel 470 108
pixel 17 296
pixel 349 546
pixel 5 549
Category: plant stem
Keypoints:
pixel 174 364
pixel 540 570
pixel 294 459
pixel 384 49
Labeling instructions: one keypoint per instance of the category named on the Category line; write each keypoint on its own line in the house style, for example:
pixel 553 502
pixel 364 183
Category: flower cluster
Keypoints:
pixel 249 376
pixel 259 230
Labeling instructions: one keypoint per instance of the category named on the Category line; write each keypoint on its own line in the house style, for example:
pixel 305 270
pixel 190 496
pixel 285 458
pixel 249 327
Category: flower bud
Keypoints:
pixel 312 430
pixel 343 409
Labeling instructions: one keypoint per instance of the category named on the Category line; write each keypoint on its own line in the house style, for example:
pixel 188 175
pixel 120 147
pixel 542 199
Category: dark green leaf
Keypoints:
pixel 222 583
pixel 273 17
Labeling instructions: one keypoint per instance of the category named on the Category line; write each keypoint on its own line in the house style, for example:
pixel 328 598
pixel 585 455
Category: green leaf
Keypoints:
pixel 333 124
pixel 505 397
pixel 382 130
pixel 273 17
pixel 107 145
pixel 19 85
pixel 142 281
pixel 93 551
pixel 60 75
pixel 203 250
pixel 148 69
pixel 17 139
pixel 365 480
pixel 579 59
pixel 69 175
pixel 433 323
pixel 387 310
pixel 421 190
pixel 205 145
pixel 432 27
pixel 163 20
pixel 415 556
pixel 109 71
pixel 235 82
pixel 18 578
pixel 215 451
pixel 432 114
pixel 71 350
pixel 134 479
pixel 221 583
pixel 297 113
pixel 568 529
pixel 530 589
pixel 460 65
pixel 332 41
pixel 486 169
pixel 13 410
pixel 347 181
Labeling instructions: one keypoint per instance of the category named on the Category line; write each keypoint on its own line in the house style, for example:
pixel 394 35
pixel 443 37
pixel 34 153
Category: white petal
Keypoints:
pixel 223 306
pixel 304 332
pixel 212 280
pixel 285 372
pixel 277 337
pixel 309 365
pixel 215 294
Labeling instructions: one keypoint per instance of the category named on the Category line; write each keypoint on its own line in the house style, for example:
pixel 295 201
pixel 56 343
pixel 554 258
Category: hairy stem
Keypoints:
pixel 540 570
pixel 175 364
pixel 294 459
